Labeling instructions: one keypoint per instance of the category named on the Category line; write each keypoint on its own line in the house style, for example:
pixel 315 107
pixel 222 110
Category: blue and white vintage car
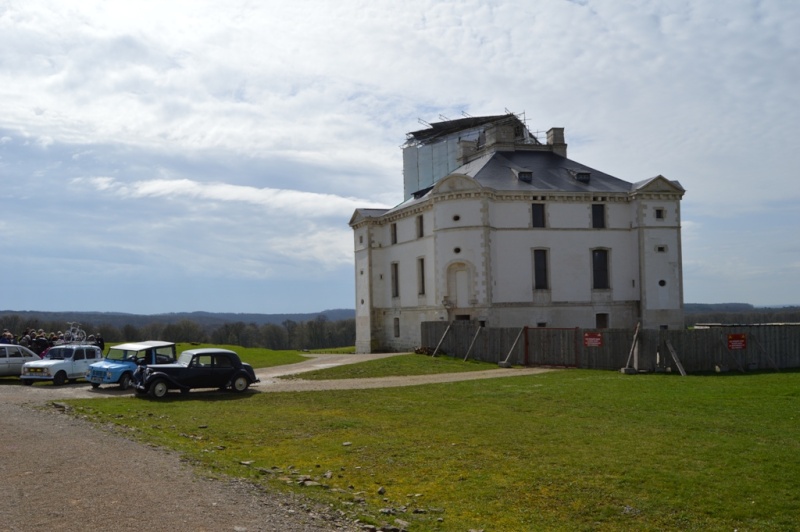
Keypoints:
pixel 122 360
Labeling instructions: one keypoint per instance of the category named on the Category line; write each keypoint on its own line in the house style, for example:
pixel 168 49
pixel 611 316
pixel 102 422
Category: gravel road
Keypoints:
pixel 60 473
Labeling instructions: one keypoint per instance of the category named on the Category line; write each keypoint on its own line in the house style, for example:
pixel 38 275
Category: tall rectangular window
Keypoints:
pixel 600 269
pixel 537 218
pixel 394 233
pixel 601 321
pixel 421 276
pixel 396 326
pixel 540 269
pixel 598 215
pixel 420 227
pixel 395 280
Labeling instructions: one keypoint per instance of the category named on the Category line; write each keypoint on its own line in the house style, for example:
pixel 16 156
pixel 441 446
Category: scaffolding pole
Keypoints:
pixel 504 363
pixel 675 358
pixel 633 348
pixel 473 343
pixel 441 339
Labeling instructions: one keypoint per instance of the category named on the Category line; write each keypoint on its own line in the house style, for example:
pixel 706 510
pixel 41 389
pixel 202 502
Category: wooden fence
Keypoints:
pixel 735 348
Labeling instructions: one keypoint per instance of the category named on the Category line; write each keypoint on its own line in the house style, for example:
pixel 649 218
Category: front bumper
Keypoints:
pixel 36 377
pixel 102 376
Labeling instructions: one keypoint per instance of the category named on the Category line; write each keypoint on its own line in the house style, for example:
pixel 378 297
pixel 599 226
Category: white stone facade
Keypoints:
pixel 472 247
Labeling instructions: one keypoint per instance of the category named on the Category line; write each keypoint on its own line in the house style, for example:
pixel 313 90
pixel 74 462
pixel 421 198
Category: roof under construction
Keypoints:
pixel 438 130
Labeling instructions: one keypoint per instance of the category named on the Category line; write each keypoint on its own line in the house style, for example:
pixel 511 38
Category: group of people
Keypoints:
pixel 39 341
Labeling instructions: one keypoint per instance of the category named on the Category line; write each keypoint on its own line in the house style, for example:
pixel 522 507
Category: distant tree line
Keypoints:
pixel 738 313
pixel 317 333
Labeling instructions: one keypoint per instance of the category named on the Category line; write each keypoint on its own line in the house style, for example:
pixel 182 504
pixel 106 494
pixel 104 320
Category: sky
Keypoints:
pixel 199 155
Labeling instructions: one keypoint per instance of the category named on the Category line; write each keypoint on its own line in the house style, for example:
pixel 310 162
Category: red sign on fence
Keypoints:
pixel 592 339
pixel 737 342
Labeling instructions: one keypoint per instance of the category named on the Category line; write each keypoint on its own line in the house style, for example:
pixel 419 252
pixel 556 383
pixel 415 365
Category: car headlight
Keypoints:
pixel 108 374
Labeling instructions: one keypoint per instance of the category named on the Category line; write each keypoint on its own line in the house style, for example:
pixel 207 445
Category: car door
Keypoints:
pixel 223 369
pixel 4 369
pixel 200 373
pixel 15 360
pixel 79 363
pixel 93 354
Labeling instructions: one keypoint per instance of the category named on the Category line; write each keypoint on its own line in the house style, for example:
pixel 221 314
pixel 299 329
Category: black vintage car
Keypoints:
pixel 196 368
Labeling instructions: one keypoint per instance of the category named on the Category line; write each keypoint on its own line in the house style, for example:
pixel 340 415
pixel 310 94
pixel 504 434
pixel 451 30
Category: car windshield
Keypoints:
pixel 57 353
pixel 120 354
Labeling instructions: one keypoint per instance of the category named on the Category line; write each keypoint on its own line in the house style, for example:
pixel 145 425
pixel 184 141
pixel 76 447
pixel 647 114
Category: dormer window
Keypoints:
pixel 581 176
pixel 525 176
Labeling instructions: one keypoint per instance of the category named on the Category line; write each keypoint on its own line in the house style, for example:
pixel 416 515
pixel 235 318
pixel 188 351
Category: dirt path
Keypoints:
pixel 271 383
pixel 60 473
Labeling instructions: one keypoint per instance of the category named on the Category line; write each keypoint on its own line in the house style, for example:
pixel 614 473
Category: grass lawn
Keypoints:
pixel 258 357
pixel 566 450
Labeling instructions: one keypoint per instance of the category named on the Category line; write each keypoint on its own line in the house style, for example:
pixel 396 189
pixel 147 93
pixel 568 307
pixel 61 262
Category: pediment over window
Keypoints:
pixel 361 215
pixel 455 183
pixel 658 184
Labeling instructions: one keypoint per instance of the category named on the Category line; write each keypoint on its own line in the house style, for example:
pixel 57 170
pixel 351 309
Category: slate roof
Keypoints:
pixel 550 172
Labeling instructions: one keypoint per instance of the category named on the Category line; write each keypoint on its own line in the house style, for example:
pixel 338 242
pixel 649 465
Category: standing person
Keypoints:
pixel 99 342
pixel 40 344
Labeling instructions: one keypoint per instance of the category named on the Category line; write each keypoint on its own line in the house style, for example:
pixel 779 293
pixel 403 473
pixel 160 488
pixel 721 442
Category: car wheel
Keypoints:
pixel 159 389
pixel 27 382
pixel 125 381
pixel 60 378
pixel 95 385
pixel 240 384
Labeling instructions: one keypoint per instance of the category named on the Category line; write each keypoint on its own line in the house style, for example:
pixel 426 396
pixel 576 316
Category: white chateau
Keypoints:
pixel 503 229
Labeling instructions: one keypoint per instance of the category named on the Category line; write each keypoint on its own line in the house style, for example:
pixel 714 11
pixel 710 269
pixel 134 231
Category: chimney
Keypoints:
pixel 555 139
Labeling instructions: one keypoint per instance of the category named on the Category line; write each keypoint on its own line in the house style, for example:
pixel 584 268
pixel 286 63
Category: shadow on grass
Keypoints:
pixel 733 372
pixel 200 395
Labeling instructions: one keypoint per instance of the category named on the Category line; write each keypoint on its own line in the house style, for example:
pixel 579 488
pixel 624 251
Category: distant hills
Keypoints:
pixel 695 313
pixel 204 319
pixel 696 308
pixel 739 313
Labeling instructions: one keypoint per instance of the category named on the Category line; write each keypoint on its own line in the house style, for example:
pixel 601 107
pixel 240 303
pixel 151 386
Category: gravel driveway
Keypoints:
pixel 60 473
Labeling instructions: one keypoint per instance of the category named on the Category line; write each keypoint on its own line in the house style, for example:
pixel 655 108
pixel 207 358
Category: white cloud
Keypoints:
pixel 257 128
pixel 286 202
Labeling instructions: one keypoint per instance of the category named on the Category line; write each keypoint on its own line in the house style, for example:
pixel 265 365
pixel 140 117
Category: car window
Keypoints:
pixel 80 354
pixel 14 352
pixel 222 361
pixel 119 354
pixel 167 351
pixel 202 361
pixel 57 354
pixel 2 352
